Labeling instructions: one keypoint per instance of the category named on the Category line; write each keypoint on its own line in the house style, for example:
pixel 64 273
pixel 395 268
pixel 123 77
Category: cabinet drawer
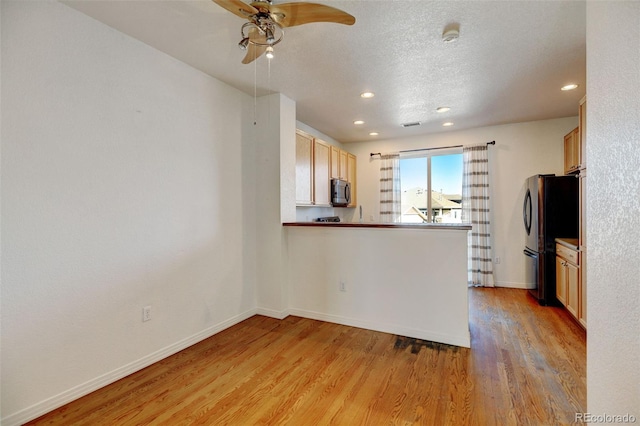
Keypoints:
pixel 567 254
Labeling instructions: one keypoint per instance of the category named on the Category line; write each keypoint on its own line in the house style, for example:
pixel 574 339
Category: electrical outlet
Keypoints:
pixel 497 260
pixel 342 286
pixel 146 313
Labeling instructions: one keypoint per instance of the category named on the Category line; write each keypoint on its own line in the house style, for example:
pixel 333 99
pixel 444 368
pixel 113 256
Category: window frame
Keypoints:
pixel 428 154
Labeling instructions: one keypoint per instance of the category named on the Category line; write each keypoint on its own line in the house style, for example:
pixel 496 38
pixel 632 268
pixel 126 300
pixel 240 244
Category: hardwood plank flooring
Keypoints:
pixel 526 366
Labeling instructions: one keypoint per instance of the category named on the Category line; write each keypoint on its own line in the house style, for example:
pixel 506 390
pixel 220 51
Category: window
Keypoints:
pixel 431 188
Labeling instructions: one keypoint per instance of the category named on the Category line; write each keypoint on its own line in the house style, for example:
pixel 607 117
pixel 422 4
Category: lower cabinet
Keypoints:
pixel 568 288
pixel 561 281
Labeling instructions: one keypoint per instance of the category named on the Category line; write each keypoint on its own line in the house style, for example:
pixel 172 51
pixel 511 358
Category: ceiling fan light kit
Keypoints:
pixel 269 52
pixel 267 21
pixel 450 35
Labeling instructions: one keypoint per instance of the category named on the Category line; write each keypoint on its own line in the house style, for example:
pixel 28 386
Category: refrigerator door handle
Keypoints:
pixel 526 215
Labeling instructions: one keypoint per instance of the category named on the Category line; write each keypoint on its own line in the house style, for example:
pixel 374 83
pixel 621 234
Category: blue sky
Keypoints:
pixel 446 173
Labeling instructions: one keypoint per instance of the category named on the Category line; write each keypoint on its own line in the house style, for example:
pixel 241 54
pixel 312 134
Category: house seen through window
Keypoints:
pixel 431 188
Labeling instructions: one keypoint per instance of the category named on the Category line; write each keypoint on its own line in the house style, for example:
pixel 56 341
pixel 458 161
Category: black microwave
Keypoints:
pixel 340 193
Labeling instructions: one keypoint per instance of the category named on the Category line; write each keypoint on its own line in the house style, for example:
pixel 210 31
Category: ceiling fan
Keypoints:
pixel 266 22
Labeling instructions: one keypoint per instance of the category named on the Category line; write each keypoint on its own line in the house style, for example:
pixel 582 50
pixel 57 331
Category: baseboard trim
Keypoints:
pixel 456 340
pixel 510 284
pixel 92 385
pixel 272 313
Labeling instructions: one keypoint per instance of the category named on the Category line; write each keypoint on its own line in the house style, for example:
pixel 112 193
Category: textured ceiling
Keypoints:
pixel 508 65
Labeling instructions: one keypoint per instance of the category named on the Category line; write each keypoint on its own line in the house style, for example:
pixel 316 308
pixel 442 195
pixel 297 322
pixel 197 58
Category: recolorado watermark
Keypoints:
pixel 604 418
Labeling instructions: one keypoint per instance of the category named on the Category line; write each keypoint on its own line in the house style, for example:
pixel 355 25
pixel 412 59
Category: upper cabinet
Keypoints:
pixel 321 173
pixel 339 164
pixel 572 151
pixel 343 166
pixel 351 177
pixel 304 169
pixel 317 163
pixel 335 162
pixel 575 149
pixel 582 126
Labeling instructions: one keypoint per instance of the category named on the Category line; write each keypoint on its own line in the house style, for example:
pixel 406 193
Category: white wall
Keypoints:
pixel 391 286
pixel 275 193
pixel 521 150
pixel 613 224
pixel 121 170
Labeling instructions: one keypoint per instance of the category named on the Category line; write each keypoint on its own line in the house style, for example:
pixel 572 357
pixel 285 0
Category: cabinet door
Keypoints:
pixel 572 151
pixel 573 300
pixel 582 114
pixel 344 161
pixel 351 177
pixel 577 149
pixel 322 173
pixel 568 154
pixel 335 162
pixel 304 169
pixel 582 312
pixel 561 281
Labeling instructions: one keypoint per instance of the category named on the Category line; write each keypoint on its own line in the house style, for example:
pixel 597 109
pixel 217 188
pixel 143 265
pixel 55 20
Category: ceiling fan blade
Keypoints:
pixel 237 7
pixel 298 13
pixel 254 51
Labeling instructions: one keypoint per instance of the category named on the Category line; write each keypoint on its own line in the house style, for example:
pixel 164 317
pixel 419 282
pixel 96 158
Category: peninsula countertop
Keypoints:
pixel 450 226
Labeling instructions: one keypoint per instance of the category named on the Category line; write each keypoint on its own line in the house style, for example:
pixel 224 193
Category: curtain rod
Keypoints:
pixel 429 149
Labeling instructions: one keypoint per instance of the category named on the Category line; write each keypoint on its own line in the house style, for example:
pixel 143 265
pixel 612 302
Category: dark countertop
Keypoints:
pixel 571 243
pixel 456 226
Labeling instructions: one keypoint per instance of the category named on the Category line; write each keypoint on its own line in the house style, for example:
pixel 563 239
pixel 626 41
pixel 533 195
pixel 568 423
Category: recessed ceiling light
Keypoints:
pixel 374 134
pixel 447 124
pixel 442 109
pixel 367 95
pixel 358 122
pixel 569 87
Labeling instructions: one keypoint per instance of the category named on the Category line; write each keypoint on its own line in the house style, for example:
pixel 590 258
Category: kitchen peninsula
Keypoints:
pixel 404 279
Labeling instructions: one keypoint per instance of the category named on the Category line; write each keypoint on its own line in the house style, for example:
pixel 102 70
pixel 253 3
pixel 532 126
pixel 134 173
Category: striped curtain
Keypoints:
pixel 390 188
pixel 475 210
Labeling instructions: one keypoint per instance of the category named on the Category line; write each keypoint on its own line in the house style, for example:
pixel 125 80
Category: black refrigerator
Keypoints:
pixel 550 211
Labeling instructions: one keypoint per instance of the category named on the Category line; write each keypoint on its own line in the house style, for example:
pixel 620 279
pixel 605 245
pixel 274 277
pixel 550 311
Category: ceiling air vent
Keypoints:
pixel 415 123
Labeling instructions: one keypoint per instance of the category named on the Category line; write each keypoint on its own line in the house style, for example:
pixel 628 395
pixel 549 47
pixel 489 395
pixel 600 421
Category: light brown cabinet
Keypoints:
pixel 304 169
pixel 582 131
pixel 351 177
pixel 572 151
pixel 313 171
pixel 568 287
pixel 335 162
pixel 321 173
pixel 317 163
pixel 340 163
pixel 582 114
pixel 582 314
pixel 561 281
pixel 343 166
pixel 575 161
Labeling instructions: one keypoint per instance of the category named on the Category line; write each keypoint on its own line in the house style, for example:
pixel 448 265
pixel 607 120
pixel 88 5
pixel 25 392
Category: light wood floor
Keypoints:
pixel 526 366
